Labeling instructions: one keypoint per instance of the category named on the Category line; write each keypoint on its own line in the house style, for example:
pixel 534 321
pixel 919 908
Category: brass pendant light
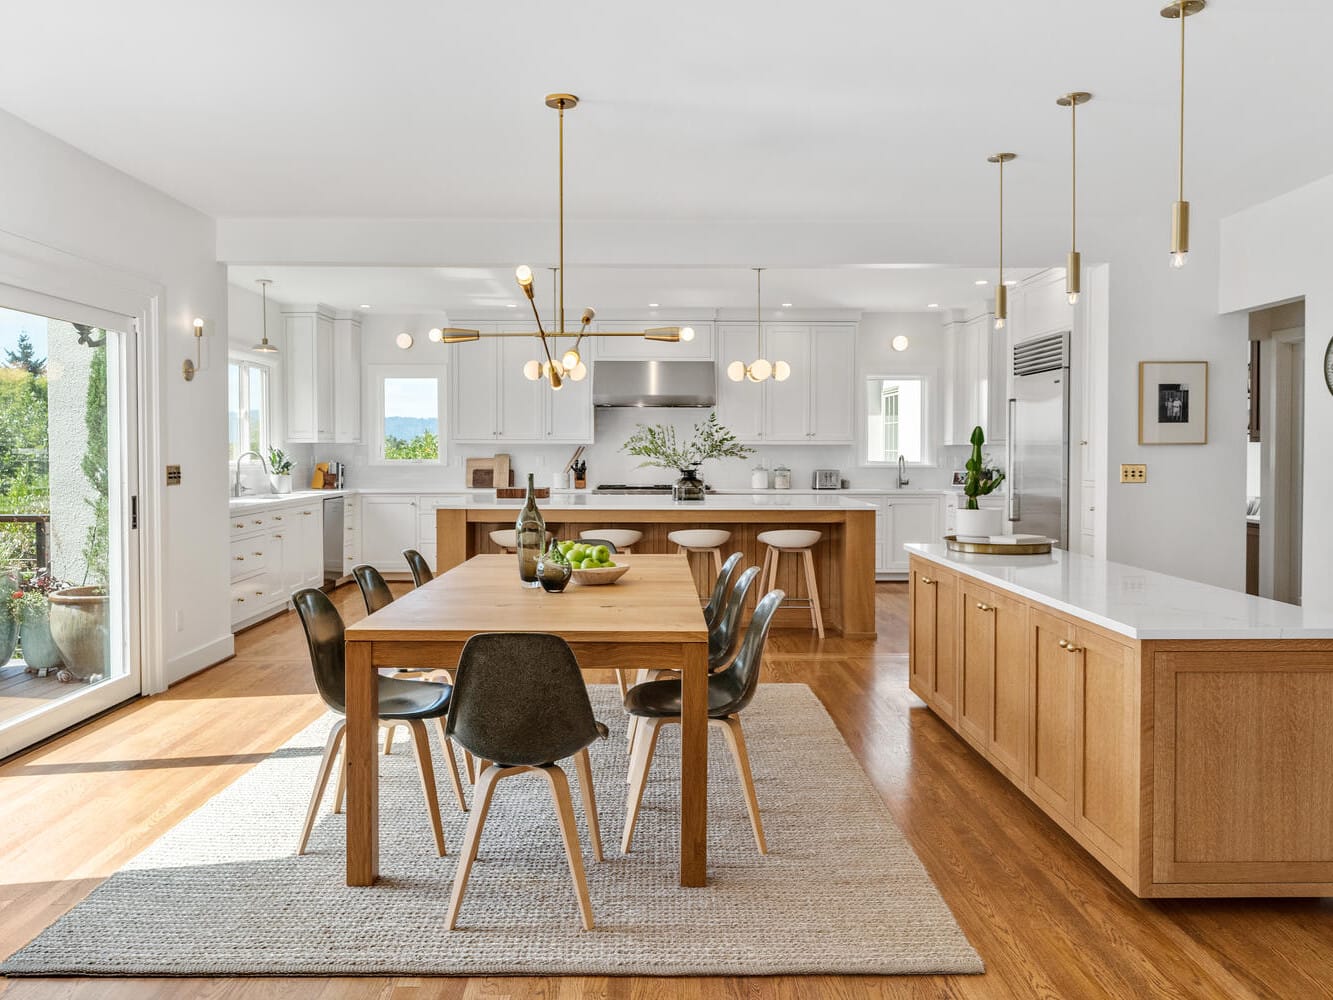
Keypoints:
pixel 1180 212
pixel 1001 290
pixel 570 364
pixel 759 370
pixel 264 347
pixel 1074 264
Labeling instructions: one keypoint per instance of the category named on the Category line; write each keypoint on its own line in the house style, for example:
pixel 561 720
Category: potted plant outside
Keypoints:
pixel 280 470
pixel 29 606
pixel 973 521
pixel 659 448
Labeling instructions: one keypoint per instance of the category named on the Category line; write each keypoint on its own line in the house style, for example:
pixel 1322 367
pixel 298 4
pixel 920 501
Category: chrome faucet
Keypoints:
pixel 237 488
pixel 902 473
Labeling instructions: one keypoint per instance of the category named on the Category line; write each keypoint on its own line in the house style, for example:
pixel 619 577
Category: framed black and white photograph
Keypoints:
pixel 1173 402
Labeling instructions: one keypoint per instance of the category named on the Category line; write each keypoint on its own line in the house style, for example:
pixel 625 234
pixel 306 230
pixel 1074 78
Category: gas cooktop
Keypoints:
pixel 626 489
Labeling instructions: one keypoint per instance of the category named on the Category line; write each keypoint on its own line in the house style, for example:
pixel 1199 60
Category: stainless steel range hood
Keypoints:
pixel 654 383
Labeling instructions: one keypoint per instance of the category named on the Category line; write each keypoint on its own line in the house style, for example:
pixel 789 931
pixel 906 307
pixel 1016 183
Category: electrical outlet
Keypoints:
pixel 1133 474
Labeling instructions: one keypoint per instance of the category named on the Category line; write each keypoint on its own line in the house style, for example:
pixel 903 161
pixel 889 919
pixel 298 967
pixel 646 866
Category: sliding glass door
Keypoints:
pixel 68 516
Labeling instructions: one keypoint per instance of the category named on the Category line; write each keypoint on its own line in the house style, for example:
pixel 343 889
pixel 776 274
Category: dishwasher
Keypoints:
pixel 333 541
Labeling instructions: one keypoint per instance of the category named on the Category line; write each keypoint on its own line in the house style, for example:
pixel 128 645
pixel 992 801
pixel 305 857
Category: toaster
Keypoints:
pixel 827 479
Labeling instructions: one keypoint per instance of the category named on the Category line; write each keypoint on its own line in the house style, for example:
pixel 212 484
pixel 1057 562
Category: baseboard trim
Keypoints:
pixel 200 658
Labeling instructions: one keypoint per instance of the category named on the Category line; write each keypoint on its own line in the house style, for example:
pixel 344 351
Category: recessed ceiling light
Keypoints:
pixel 933 305
pixel 786 305
pixel 653 305
pixel 364 305
pixel 1010 282
pixel 900 343
pixel 512 305
pixel 982 281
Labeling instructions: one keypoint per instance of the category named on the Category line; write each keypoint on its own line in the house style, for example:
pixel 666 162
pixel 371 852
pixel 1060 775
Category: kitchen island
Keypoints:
pixel 844 557
pixel 1177 731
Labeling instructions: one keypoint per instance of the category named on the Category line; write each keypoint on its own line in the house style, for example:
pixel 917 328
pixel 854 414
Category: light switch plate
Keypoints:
pixel 173 475
pixel 1133 473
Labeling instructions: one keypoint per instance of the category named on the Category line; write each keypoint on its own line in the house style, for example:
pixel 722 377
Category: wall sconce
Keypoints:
pixel 404 341
pixel 188 367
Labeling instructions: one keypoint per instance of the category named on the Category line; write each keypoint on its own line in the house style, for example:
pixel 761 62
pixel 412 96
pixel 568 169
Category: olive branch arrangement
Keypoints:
pixel 658 446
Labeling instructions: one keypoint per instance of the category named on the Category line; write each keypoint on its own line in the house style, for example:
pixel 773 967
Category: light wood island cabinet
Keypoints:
pixel 1195 765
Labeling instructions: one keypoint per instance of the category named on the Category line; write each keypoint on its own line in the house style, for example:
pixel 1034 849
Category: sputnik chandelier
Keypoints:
pixel 761 369
pixel 569 364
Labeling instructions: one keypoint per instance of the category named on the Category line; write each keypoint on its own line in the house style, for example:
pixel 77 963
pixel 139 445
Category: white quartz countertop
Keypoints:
pixel 1137 603
pixel 714 501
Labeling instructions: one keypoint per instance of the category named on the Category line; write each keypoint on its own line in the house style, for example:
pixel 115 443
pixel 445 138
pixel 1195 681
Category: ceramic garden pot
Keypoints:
pixel 9 629
pixel 81 628
pixel 39 649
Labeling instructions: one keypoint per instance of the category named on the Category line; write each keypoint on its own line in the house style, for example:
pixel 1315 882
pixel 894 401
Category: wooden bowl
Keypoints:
pixel 598 577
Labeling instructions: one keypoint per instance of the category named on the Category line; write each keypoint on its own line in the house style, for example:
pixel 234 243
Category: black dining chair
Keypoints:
pixel 411 702
pixel 722 587
pixel 416 562
pixel 520 705
pixel 375 591
pixel 658 704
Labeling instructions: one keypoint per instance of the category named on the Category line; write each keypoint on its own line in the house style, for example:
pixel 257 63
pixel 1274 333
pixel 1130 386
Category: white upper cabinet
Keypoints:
pixel 813 406
pixel 638 349
pixel 492 401
pixel 976 385
pixel 322 361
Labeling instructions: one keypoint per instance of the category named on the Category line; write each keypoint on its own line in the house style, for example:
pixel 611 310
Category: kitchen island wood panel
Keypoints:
pixel 1189 767
pixel 844 557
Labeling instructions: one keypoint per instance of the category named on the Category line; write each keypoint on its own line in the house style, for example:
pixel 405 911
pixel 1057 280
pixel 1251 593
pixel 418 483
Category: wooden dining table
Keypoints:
pixel 649 618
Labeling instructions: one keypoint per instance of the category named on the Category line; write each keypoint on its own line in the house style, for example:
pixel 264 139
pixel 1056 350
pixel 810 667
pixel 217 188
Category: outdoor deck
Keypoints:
pixel 21 692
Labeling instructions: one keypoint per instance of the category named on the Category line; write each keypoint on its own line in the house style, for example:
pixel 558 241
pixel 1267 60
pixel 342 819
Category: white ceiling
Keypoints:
pixel 623 291
pixel 839 113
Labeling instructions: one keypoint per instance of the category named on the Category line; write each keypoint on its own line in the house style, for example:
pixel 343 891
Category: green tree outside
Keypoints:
pixel 424 446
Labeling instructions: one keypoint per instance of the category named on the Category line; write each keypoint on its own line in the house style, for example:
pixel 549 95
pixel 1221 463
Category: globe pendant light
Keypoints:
pixel 264 347
pixel 1180 211
pixel 1074 265
pixel 760 370
pixel 1001 290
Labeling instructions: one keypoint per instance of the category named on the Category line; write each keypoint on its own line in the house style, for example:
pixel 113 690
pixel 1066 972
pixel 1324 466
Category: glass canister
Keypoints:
pixel 759 478
pixel 782 478
pixel 530 537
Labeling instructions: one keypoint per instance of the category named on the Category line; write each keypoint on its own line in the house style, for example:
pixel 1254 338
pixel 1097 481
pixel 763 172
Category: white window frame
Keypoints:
pixel 928 450
pixel 266 416
pixel 378 375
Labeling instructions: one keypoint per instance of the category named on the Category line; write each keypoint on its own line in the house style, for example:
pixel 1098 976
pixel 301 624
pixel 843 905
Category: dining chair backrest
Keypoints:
pixel 598 541
pixel 416 562
pixel 519 698
pixel 324 635
pixel 741 679
pixel 724 635
pixel 722 588
pixel 374 591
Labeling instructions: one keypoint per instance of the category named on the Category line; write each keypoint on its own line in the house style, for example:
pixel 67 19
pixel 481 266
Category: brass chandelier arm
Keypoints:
pixel 667 334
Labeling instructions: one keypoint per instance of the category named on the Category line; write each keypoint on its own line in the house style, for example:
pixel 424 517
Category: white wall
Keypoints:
pixel 1276 252
pixel 606 463
pixel 54 195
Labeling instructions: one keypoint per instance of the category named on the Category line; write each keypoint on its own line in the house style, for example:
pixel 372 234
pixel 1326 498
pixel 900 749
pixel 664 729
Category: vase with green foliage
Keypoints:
pixel 280 470
pixel 979 481
pixel 659 448
pixel 29 605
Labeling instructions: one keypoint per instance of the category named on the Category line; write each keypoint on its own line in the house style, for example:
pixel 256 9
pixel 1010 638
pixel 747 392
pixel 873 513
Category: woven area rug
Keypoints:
pixel 839 892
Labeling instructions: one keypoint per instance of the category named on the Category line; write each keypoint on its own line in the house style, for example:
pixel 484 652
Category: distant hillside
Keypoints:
pixel 409 428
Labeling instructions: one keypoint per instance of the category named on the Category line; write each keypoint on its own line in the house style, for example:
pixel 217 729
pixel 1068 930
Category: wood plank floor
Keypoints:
pixel 21 692
pixel 1046 920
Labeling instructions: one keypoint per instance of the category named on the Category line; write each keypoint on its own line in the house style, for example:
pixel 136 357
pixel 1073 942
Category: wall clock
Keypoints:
pixel 1328 366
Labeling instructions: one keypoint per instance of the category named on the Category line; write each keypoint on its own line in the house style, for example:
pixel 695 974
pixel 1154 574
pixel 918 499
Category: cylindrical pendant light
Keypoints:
pixel 1180 211
pixel 1001 290
pixel 264 347
pixel 1074 265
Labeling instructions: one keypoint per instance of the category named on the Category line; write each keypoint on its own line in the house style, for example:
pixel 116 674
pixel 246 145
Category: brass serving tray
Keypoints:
pixel 992 549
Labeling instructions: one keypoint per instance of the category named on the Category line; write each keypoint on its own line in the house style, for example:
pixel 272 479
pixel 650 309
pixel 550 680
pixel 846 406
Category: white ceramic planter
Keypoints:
pixel 982 522
pixel 281 484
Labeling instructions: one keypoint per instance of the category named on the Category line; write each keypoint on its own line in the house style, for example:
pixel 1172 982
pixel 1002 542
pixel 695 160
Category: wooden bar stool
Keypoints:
pixel 702 540
pixel 624 539
pixel 793 541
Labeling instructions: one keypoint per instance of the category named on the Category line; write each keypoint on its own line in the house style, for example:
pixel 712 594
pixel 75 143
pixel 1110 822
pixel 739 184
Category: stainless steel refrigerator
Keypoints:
pixel 1038 439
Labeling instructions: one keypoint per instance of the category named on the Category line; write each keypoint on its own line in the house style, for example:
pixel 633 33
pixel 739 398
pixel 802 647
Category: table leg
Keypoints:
pixel 363 793
pixel 694 764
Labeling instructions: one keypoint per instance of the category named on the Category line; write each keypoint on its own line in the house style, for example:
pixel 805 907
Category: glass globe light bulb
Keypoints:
pixel 1073 298
pixel 736 371
pixel 999 323
pixel 523 275
pixel 686 334
pixel 781 371
pixel 403 340
pixel 900 343
pixel 570 360
pixel 579 372
pixel 435 335
pixel 1179 260
pixel 761 370
pixel 532 371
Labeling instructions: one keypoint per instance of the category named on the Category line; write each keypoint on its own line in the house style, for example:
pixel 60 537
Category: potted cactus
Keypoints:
pixel 973 521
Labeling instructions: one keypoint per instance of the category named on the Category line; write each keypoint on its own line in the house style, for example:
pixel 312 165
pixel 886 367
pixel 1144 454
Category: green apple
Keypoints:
pixel 601 553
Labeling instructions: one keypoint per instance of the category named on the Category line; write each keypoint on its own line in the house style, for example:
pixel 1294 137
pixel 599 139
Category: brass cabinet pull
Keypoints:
pixel 306 513
pixel 241 525
pixel 1074 649
pixel 984 607
pixel 259 555
pixel 240 600
pixel 240 558
pixel 1064 643
pixel 927 581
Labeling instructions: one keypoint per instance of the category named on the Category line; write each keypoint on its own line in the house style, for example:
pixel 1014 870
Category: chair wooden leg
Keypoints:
pixel 481 805
pixel 470 766
pixel 564 809
pixel 639 764
pixel 446 747
pixel 816 616
pixel 622 679
pixel 331 748
pixel 389 731
pixel 421 743
pixel 731 728
pixel 583 763
pixel 341 793
pixel 717 561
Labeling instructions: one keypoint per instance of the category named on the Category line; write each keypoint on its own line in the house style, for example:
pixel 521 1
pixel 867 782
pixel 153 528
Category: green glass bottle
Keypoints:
pixel 530 532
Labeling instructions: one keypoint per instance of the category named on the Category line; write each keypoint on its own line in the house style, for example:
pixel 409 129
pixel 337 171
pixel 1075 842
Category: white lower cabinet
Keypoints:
pixel 273 555
pixel 900 521
pixel 388 525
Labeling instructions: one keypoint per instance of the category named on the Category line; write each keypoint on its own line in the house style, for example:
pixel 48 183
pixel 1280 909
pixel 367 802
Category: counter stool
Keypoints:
pixel 793 540
pixel 622 538
pixel 701 540
pixel 507 539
